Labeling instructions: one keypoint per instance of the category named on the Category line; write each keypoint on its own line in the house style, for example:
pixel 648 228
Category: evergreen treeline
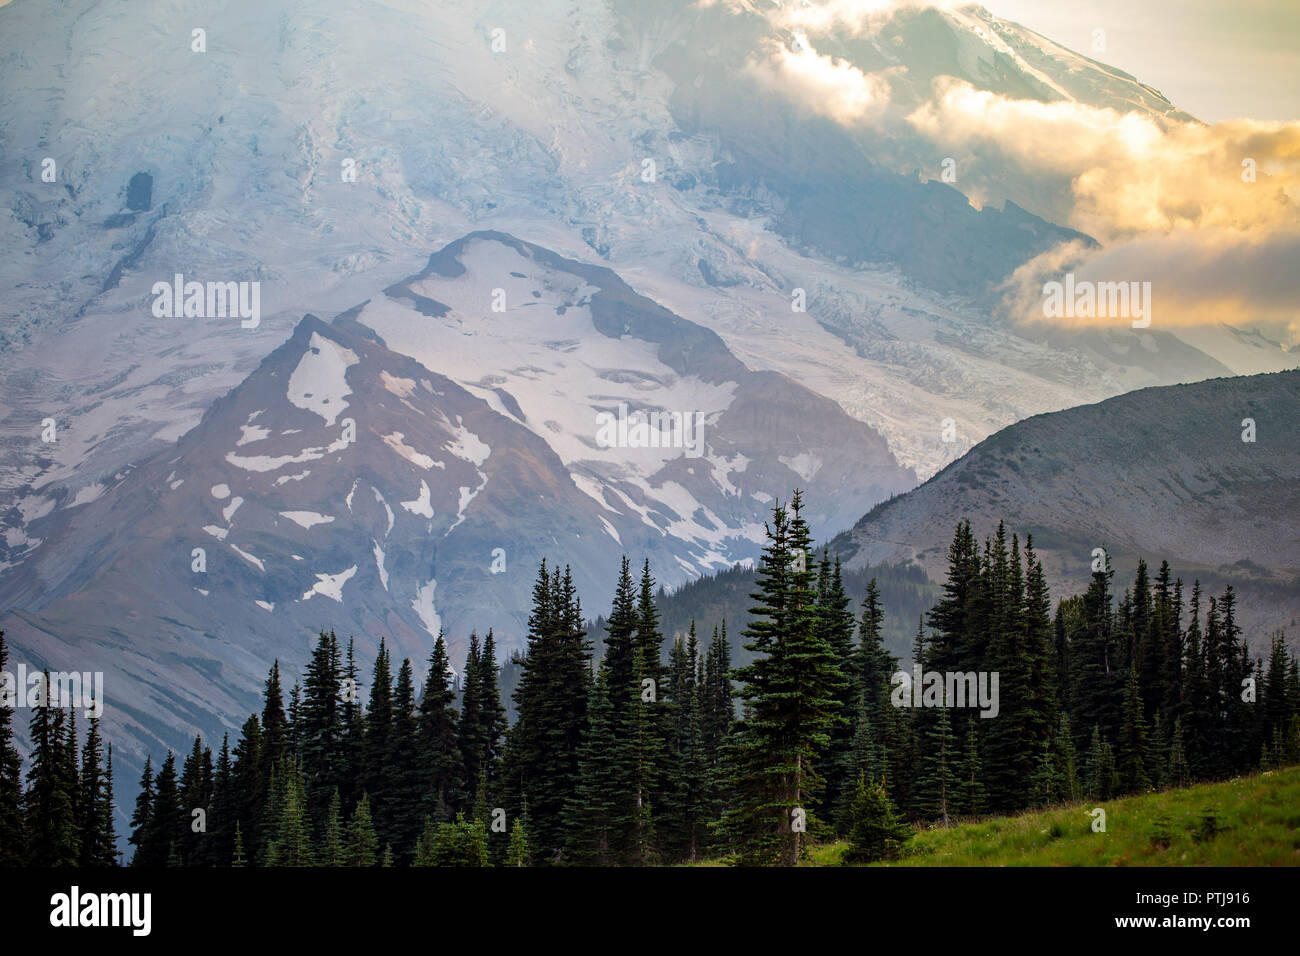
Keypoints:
pixel 64 816
pixel 627 752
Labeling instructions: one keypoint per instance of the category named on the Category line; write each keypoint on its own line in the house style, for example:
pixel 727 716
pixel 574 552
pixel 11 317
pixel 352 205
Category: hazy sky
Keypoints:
pixel 1214 59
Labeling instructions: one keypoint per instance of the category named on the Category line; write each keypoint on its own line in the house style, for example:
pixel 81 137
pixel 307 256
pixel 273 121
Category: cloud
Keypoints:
pixel 1118 175
pixel 854 17
pixel 1198 277
pixel 1209 214
pixel 832 87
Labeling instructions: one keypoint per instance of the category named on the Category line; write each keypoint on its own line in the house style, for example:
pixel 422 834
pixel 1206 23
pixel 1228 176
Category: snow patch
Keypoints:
pixel 401 387
pixel 805 464
pixel 423 505
pixel 307 518
pixel 467 446
pixel 423 606
pixel 394 441
pixel 256 562
pixel 319 383
pixel 379 563
pixel 331 585
pixel 609 529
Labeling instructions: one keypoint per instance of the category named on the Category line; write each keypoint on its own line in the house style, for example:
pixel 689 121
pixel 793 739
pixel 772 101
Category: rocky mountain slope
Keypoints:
pixel 1157 473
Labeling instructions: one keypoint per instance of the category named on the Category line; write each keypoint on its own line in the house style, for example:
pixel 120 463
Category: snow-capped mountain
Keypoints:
pixel 345 484
pixel 322 150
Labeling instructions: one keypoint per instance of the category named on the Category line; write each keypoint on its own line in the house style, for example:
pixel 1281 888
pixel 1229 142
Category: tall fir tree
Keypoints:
pixel 98 838
pixel 140 819
pixel 551 707
pixel 444 786
pixel 11 786
pixel 403 774
pixel 49 808
pixel 793 689
pixel 320 725
pixel 250 786
pixel 378 734
pixel 590 812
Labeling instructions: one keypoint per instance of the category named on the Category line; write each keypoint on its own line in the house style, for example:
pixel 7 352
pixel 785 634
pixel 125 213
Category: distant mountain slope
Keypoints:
pixel 404 469
pixel 1158 473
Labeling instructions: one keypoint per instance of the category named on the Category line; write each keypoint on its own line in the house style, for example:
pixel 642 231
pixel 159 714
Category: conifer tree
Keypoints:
pixel 1067 762
pixel 1016 737
pixel 956 636
pixel 938 776
pixel 1043 705
pixel 378 736
pixel 250 786
pixel 140 819
pixel 590 813
pixel 167 819
pixel 403 776
pixel 444 769
pixel 352 720
pixel 551 705
pixel 275 725
pixel 290 842
pixel 685 808
pixel 1102 781
pixel 237 857
pixel 835 626
pixel 293 724
pixel 319 726
pixel 1131 747
pixel 717 711
pixel 971 798
pixel 638 746
pixel 517 854
pixel 424 845
pixel 648 648
pixel 330 852
pixel 225 809
pixel 482 718
pixel 1095 687
pixel 193 795
pixel 98 840
pixel 460 843
pixel 1178 773
pixel 362 845
pixel 792 689
pixel 11 787
pixel 876 832
pixel 49 810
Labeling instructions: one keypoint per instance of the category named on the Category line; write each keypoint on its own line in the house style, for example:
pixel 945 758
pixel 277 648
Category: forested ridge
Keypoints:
pixel 628 749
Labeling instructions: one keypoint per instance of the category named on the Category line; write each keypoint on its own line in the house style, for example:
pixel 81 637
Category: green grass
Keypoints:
pixel 1247 821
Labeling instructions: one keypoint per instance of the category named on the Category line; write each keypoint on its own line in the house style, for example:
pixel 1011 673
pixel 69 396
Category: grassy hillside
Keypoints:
pixel 1249 821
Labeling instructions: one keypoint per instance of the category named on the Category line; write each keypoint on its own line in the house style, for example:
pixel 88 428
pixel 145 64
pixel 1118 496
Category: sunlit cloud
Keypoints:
pixel 1209 214
pixel 831 87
